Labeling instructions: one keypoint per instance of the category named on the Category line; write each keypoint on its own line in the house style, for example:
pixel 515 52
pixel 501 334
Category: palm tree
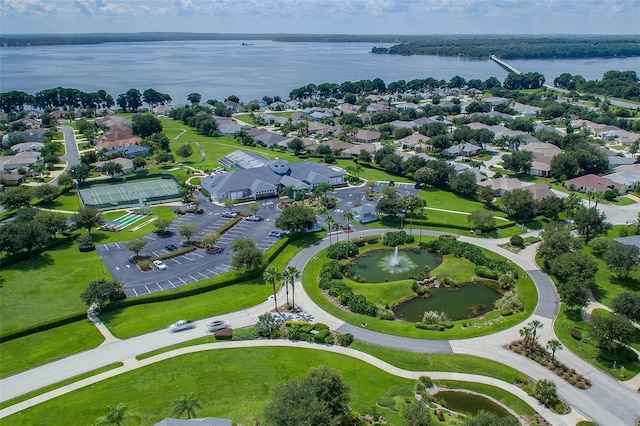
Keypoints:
pixel 535 325
pixel 115 415
pixel 186 404
pixel 526 333
pixel 348 216
pixel 554 345
pixel 329 221
pixel 284 276
pixel 293 273
pixel 271 275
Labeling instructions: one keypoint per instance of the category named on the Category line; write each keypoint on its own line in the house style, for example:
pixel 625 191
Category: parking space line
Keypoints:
pixel 203 275
pixel 183 281
pixel 214 273
pixel 171 284
pixel 148 291
pixel 176 261
pixel 159 286
pixel 190 276
pixel 117 245
pixel 134 290
pixel 151 238
pixel 106 246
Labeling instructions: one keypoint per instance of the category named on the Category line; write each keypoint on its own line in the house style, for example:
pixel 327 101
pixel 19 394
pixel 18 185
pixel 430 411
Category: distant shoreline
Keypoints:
pixel 472 46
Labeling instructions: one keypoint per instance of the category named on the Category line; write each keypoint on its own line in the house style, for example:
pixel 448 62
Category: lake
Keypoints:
pixel 217 69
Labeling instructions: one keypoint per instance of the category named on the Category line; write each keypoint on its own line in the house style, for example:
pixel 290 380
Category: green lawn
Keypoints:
pixel 69 201
pixel 490 323
pixel 457 269
pixel 609 285
pixel 208 375
pixel 106 237
pixel 46 346
pixel 568 319
pixel 449 201
pixel 454 363
pixel 47 287
pixel 228 383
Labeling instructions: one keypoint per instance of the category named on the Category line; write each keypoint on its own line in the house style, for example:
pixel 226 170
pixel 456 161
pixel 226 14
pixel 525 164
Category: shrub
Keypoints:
pixel 321 336
pixel 386 314
pixel 345 339
pixel 224 334
pixel 508 302
pixel 600 245
pixel 576 334
pixel 293 332
pixel 342 250
pixel 328 340
pixel 396 238
pixel 358 278
pixel 248 333
pixel 516 241
pixel 434 318
pixel 485 272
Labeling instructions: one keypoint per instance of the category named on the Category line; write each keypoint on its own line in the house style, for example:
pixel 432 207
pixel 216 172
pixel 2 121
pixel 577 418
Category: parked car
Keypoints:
pixel 160 265
pixel 276 234
pixel 254 218
pixel 181 325
pixel 229 214
pixel 171 247
pixel 214 326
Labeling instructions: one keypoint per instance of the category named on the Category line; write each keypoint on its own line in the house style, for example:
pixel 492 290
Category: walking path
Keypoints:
pixel 132 364
pixel 594 403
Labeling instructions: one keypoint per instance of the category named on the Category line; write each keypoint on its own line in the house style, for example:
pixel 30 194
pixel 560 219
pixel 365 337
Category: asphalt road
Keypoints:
pixel 72 156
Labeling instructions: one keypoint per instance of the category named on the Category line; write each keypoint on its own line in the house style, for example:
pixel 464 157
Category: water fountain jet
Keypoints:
pixel 395 261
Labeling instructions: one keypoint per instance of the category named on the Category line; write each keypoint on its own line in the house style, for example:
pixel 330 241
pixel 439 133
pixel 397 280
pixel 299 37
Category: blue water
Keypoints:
pixel 217 69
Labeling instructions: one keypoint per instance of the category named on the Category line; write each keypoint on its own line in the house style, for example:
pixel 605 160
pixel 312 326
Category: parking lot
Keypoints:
pixel 200 264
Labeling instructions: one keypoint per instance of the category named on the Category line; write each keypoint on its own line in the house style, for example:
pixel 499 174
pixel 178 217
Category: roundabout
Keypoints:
pixel 595 403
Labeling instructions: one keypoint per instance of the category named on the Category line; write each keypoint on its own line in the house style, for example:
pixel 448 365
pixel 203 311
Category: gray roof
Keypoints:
pixel 633 240
pixel 244 160
pixel 269 138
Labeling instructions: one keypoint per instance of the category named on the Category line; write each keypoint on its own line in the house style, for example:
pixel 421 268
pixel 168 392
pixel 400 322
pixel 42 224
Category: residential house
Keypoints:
pixel 131 151
pixel 495 100
pixel 127 164
pixel 632 240
pixel 459 168
pixel 228 127
pixel 335 145
pixel 308 143
pixel 347 108
pixel 502 185
pixel 268 139
pixel 27 146
pixel 293 104
pixel 365 213
pixel 543 153
pixel 277 106
pixel 161 110
pixel 10 177
pixel 461 150
pixel 403 124
pixel 540 191
pixel 414 140
pixel 320 128
pixel 628 180
pixel 378 107
pixel 320 115
pixel 28 136
pixel 616 160
pixel 29 123
pixel 367 136
pixel 22 160
pixel 232 106
pixel 526 110
pixel 594 183
pixel 355 150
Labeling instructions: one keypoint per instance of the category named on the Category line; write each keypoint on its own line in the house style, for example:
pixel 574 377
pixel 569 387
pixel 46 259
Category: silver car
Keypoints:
pixel 181 325
pixel 214 326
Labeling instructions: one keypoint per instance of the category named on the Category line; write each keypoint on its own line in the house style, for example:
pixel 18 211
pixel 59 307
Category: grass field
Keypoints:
pixel 490 323
pixel 609 285
pixel 209 374
pixel 47 287
pixel 68 201
pixel 568 319
pixel 46 346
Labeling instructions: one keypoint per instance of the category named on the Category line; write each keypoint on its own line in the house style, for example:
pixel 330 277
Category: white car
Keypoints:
pixel 160 265
pixel 214 326
pixel 181 325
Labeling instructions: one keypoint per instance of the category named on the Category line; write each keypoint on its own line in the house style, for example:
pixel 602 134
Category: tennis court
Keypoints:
pixel 133 193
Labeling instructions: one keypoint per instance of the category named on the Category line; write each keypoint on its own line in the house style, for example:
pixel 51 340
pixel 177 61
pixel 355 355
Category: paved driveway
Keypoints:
pixel 190 267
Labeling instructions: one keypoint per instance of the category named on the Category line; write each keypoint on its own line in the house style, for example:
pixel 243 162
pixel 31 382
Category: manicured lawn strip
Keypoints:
pixel 568 319
pixel 228 383
pixel 450 201
pixel 194 342
pixel 138 319
pixel 60 384
pixel 372 173
pixel 39 348
pixel 69 201
pixel 508 399
pixel 453 363
pixel 459 270
pixel 478 327
pixel 106 237
pixel 47 287
pixel 609 285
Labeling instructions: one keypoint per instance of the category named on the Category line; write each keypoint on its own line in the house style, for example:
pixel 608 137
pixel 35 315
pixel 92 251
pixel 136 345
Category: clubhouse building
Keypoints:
pixel 258 177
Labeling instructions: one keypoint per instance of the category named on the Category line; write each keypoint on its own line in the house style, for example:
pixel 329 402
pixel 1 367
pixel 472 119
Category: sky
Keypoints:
pixel 322 16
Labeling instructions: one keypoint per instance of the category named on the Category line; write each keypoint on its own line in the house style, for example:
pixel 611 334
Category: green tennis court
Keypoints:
pixel 133 193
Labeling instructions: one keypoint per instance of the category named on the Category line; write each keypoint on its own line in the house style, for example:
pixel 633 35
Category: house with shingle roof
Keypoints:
pixel 502 184
pixel 268 139
pixel 367 136
pixel 413 140
pixel 594 183
pixel 543 153
pixel 365 213
pixel 464 149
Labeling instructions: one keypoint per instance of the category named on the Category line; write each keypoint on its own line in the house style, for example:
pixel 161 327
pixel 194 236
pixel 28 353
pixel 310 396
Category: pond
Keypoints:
pixel 458 303
pixel 469 403
pixel 380 265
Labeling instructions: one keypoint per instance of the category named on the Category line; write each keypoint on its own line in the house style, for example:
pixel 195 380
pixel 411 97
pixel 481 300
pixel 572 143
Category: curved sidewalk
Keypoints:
pixel 133 364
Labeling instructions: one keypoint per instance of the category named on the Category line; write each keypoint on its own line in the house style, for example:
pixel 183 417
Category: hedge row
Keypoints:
pixel 435 224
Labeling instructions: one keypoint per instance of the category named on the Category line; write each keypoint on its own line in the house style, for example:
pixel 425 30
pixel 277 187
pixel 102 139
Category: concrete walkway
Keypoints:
pixel 131 364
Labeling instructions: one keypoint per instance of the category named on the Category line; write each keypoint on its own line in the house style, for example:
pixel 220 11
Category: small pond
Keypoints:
pixel 457 303
pixel 469 403
pixel 380 265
